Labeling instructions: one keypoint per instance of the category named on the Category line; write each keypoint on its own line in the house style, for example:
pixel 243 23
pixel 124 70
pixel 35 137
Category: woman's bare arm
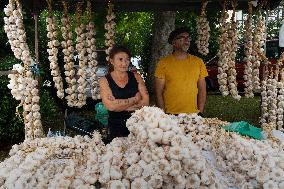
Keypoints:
pixel 113 104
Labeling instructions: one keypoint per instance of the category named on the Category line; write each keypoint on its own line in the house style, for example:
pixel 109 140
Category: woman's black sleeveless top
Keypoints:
pixel 117 120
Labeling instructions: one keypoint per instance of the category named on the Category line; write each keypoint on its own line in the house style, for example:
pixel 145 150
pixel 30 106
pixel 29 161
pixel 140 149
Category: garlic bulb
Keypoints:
pixel 109 26
pixel 203 30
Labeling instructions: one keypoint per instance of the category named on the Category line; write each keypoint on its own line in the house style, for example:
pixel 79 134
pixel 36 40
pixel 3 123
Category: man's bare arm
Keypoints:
pixel 159 90
pixel 202 94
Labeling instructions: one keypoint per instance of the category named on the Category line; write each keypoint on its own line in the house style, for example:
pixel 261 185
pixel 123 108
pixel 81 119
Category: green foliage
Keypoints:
pixel 273 27
pixel 51 116
pixel 133 29
pixel 229 109
pixel 11 127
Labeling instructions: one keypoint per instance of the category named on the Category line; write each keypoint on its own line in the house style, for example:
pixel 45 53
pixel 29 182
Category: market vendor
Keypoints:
pixel 122 92
pixel 180 85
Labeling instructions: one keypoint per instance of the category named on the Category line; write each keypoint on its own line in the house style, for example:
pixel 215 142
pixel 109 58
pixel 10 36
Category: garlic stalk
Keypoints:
pixel 223 55
pixel 15 30
pixel 109 26
pixel 203 30
pixel 53 51
pixel 92 54
pixel 68 51
pixel 248 45
pixel 258 43
pixel 83 60
pixel 233 46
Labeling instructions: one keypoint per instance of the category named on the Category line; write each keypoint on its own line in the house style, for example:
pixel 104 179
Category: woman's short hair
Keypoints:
pixel 117 49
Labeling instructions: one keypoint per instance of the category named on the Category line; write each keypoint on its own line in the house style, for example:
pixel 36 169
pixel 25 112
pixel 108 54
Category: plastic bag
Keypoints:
pixel 101 113
pixel 82 125
pixel 244 128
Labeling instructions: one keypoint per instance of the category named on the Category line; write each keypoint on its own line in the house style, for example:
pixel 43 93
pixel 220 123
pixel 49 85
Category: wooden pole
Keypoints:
pixel 36 37
pixel 7 72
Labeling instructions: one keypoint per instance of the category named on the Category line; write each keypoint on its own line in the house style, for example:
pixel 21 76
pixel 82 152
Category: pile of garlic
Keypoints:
pixel 248 44
pixel 203 31
pixel 52 50
pixel 109 26
pixel 62 162
pixel 166 157
pixel 68 51
pixel 251 163
pixel 246 163
pixel 161 151
pixel 200 130
pixel 83 60
pixel 141 160
pixel 15 30
pixel 92 54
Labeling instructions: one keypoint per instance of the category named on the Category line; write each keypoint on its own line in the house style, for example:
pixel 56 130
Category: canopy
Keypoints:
pixel 141 5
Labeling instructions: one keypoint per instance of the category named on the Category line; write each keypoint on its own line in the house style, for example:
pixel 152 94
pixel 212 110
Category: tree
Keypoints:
pixel 164 23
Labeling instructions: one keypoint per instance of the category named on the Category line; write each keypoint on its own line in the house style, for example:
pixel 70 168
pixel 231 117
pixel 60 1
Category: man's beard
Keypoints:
pixel 185 48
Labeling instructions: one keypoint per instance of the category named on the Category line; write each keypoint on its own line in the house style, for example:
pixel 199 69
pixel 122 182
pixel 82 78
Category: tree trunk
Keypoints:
pixel 164 23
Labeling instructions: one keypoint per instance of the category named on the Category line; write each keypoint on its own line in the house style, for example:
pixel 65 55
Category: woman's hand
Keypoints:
pixel 138 97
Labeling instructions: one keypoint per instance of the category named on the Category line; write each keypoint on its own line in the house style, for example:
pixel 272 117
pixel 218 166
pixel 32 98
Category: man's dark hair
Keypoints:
pixel 176 32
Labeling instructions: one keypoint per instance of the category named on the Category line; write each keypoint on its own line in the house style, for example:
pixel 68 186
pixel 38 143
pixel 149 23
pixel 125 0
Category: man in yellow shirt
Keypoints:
pixel 180 78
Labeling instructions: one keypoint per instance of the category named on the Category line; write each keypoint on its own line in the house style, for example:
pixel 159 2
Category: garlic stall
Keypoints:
pixel 161 151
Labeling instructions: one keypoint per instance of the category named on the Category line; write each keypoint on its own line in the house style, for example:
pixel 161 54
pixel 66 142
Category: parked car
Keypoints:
pixel 272 53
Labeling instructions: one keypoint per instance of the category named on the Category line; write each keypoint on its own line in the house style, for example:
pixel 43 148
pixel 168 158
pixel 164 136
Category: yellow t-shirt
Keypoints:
pixel 181 77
